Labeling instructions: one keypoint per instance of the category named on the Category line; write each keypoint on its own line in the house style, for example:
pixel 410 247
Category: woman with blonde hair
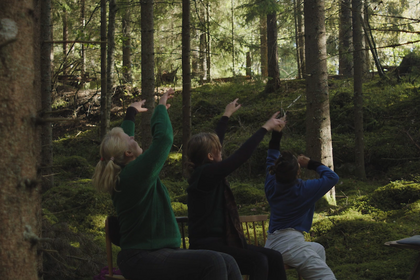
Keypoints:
pixel 150 237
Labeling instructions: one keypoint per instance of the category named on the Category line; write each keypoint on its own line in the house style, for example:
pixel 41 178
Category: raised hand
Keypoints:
pixel 274 123
pixel 139 106
pixel 167 95
pixel 232 107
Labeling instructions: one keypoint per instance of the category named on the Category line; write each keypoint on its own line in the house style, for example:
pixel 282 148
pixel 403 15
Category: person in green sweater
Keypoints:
pixel 150 237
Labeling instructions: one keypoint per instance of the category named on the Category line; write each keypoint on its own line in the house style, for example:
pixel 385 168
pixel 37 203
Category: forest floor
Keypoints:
pixel 368 213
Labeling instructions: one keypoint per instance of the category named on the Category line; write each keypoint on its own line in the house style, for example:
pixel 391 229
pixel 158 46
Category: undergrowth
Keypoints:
pixel 368 213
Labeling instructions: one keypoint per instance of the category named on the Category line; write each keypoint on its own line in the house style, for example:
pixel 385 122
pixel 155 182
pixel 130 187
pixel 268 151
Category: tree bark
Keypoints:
pixel 46 130
pixel 147 70
pixel 186 77
pixel 273 83
pixel 20 99
pixel 208 42
pixel 248 71
pixel 126 26
pixel 300 39
pixel 318 125
pixel 82 46
pixel 263 40
pixel 104 102
pixel 110 58
pixel 345 54
pixel 65 39
pixel 358 92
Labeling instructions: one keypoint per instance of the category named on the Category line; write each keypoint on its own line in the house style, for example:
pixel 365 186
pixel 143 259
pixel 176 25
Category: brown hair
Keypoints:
pixel 198 148
pixel 285 168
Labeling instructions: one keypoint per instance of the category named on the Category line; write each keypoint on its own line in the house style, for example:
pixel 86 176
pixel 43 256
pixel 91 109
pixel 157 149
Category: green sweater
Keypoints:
pixel 143 205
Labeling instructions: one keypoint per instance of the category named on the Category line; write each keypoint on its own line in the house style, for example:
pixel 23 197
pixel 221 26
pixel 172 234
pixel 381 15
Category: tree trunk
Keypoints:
pixel 248 64
pixel 358 92
pixel 203 57
pixel 104 107
pixel 65 38
pixel 263 40
pixel 126 26
pixel 110 58
pixel 300 39
pixel 82 50
pixel 208 42
pixel 233 36
pixel 20 98
pixel 273 83
pixel 318 125
pixel 147 70
pixel 46 131
pixel 186 77
pixel 345 56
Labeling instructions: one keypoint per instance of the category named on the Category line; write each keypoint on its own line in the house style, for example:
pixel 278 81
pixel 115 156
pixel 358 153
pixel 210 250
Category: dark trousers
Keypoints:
pixel 179 264
pixel 258 262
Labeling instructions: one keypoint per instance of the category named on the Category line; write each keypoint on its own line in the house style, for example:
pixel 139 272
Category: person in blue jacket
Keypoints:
pixel 292 203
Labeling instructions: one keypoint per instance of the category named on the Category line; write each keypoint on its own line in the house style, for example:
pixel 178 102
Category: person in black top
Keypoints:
pixel 213 216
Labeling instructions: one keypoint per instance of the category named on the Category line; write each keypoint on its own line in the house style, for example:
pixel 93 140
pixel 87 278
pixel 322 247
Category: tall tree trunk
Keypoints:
pixel 20 98
pixel 147 70
pixel 263 40
pixel 300 38
pixel 358 92
pixel 82 50
pixel 273 83
pixel 318 125
pixel 46 131
pixel 202 56
pixel 110 57
pixel 186 77
pixel 126 26
pixel 248 71
pixel 104 107
pixel 208 42
pixel 345 54
pixel 65 38
pixel 233 36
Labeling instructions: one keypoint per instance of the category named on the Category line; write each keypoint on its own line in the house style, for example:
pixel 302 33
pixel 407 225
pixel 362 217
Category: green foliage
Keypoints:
pixel 77 203
pixel 248 194
pixel 72 167
pixel 396 195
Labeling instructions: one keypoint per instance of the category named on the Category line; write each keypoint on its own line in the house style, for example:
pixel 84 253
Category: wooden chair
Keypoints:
pixel 409 243
pixel 112 236
pixel 258 219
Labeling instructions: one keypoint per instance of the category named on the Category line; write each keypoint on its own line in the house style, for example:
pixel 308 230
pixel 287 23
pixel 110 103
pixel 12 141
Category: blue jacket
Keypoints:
pixel 292 205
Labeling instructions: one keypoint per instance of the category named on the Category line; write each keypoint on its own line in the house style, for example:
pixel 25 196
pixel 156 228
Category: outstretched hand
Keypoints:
pixel 231 108
pixel 167 95
pixel 139 106
pixel 274 123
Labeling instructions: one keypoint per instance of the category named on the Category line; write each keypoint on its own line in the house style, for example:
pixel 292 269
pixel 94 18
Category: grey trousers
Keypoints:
pixel 307 257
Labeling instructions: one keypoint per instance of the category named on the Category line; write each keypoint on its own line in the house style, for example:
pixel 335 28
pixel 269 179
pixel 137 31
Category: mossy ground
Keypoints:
pixel 367 214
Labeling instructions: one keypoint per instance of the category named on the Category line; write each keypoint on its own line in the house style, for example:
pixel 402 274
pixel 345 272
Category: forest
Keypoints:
pixel 346 73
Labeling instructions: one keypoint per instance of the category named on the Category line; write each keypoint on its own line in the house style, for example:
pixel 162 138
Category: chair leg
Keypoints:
pixel 415 273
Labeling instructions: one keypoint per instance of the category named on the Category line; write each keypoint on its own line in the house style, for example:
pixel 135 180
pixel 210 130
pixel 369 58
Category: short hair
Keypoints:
pixel 198 148
pixel 108 169
pixel 285 168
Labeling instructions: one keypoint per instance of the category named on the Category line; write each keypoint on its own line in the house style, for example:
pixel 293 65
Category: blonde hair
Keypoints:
pixel 107 170
pixel 198 148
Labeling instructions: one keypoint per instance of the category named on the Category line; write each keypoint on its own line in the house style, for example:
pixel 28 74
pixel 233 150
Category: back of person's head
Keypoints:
pixel 107 170
pixel 286 168
pixel 198 148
